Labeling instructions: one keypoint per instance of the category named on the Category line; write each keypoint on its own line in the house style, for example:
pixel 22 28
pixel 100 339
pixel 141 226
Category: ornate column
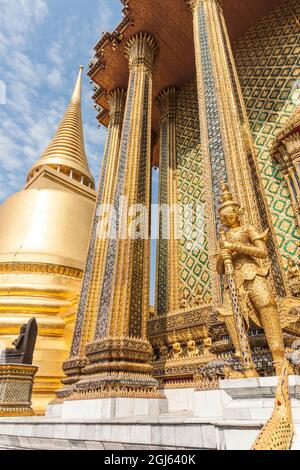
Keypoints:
pixel 119 357
pixel 228 150
pixel 89 300
pixel 167 269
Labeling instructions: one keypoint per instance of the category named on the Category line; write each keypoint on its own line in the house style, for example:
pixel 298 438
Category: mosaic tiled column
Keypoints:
pixel 228 151
pixel 119 356
pixel 167 269
pixel 89 300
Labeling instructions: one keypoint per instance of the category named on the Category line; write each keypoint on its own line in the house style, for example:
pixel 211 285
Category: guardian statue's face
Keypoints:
pixel 230 216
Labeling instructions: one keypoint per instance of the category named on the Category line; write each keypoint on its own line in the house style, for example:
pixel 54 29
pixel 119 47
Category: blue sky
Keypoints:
pixel 42 43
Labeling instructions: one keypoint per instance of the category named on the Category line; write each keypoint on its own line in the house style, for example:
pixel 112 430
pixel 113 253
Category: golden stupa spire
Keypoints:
pixel 66 151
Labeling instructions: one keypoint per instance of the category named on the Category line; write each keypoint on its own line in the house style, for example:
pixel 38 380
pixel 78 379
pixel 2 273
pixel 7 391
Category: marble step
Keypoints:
pixel 296 441
pixel 181 433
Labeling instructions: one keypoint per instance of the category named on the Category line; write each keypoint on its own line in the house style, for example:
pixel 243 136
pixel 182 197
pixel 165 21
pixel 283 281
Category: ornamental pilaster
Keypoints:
pixel 94 270
pixel 167 294
pixel 119 354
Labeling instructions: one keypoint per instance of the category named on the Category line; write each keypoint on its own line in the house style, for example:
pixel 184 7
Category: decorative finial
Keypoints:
pixel 226 197
pixel 226 194
pixel 77 90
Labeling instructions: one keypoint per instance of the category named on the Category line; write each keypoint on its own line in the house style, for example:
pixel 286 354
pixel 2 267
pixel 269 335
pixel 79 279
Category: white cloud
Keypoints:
pixel 55 53
pixel 104 19
pixel 54 78
pixel 20 64
pixel 18 17
pixel 39 72
pixel 40 9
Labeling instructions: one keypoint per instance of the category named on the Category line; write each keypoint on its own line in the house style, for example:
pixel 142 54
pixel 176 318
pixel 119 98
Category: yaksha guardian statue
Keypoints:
pixel 249 255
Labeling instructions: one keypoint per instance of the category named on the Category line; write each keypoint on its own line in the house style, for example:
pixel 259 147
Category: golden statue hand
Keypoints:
pixel 223 256
pixel 227 246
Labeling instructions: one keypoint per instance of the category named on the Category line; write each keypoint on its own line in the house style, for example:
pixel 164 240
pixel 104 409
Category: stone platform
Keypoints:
pixel 226 419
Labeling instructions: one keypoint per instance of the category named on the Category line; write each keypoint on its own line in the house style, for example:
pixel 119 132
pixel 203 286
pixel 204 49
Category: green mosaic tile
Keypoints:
pixel 275 38
pixel 267 58
pixel 194 272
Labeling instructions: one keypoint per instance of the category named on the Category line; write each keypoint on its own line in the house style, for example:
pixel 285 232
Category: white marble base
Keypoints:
pixel 225 419
pixel 253 399
pixel 180 400
pixel 210 404
pixel 108 408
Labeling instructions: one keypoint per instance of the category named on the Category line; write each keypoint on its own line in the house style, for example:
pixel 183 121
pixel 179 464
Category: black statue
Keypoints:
pixel 22 353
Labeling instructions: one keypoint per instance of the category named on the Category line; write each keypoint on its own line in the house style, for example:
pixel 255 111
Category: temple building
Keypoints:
pixel 44 237
pixel 240 88
pixel 208 91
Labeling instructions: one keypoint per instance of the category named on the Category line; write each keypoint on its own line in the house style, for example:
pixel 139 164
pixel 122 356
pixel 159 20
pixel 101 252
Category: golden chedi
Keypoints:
pixel 44 236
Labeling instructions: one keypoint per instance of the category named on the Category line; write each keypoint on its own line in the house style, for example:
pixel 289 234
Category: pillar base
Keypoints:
pixel 16 382
pixel 115 385
pixel 73 370
pixel 108 408
pixel 115 368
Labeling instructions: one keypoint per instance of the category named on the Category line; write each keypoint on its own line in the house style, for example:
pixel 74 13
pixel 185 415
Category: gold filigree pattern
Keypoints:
pixel 16 382
pixel 266 58
pixel 40 268
pixel 167 270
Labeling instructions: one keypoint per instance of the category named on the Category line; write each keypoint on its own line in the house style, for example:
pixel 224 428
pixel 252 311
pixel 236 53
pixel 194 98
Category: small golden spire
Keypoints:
pixel 226 197
pixel 77 90
pixel 66 150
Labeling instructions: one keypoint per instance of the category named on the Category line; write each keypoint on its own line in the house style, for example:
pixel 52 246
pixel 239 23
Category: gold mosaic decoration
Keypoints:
pixel 268 67
pixel 267 59
pixel 16 382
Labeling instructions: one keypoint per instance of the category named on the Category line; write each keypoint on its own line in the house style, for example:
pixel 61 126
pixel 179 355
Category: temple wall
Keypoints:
pixel 193 259
pixel 267 58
